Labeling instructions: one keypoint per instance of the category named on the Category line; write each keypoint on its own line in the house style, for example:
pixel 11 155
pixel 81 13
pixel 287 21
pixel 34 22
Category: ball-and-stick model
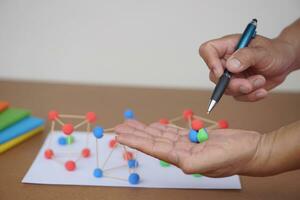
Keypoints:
pixel 98 132
pixel 196 124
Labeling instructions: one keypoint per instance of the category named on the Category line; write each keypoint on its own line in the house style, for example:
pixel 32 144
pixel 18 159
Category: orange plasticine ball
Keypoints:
pixel 70 165
pixel 197 124
pixel 222 124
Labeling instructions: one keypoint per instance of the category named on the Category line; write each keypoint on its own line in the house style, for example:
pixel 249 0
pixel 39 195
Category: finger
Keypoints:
pixel 253 96
pixel 212 77
pixel 125 129
pixel 212 52
pixel 257 81
pixel 142 127
pixel 239 86
pixel 136 124
pixel 166 128
pixel 158 149
pixel 243 58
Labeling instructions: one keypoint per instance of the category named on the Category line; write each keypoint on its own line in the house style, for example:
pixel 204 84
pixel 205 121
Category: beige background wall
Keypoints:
pixel 127 42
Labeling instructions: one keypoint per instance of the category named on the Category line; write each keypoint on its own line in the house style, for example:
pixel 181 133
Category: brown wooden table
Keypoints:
pixel 149 105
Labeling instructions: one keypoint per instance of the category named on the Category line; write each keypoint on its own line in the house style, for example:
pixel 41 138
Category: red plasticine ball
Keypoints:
pixel 68 129
pixel 197 124
pixel 91 117
pixel 48 154
pixel 112 143
pixel 52 115
pixel 164 121
pixel 223 123
pixel 70 165
pixel 86 152
pixel 187 113
pixel 127 155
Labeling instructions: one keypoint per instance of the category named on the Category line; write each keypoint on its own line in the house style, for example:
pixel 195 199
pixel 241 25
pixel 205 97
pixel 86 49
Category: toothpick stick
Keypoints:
pixel 175 126
pixel 107 158
pixel 80 124
pixel 71 116
pixel 113 168
pixel 122 179
pixel 109 129
pixel 175 119
pixel 97 153
pixel 205 119
pixel 59 121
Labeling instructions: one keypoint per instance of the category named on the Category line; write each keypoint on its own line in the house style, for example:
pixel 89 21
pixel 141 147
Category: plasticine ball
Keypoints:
pixel 70 165
pixel 70 139
pixel 196 175
pixel 86 152
pixel 187 114
pixel 164 163
pixel 197 124
pixel 90 117
pixel 98 132
pixel 193 136
pixel 62 141
pixel 98 173
pixel 128 114
pixel 48 154
pixel 127 155
pixel 68 129
pixel 164 121
pixel 52 115
pixel 222 124
pixel 132 163
pixel 202 135
pixel 112 143
pixel 133 178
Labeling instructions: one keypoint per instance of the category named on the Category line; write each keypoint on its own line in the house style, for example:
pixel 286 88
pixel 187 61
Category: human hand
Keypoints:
pixel 256 69
pixel 225 153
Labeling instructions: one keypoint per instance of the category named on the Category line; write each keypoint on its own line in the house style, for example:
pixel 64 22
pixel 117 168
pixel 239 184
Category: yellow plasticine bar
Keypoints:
pixel 7 145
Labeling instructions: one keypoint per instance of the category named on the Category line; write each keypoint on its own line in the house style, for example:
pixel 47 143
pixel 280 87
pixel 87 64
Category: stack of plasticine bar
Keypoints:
pixel 16 126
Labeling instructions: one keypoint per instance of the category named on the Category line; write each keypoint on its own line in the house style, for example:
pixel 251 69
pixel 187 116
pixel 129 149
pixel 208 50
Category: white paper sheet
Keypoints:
pixel 152 175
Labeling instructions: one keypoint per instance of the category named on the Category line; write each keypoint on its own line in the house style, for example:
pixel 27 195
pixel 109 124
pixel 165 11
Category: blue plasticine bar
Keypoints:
pixel 20 128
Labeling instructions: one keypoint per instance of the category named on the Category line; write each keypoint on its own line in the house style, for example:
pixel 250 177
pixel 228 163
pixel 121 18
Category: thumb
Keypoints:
pixel 245 58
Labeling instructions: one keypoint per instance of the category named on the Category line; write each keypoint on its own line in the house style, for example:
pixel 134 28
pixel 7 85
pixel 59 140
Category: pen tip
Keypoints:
pixel 207 112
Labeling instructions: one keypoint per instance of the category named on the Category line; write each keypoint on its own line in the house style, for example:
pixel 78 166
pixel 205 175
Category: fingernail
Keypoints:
pixel 260 94
pixel 234 63
pixel 244 89
pixel 258 83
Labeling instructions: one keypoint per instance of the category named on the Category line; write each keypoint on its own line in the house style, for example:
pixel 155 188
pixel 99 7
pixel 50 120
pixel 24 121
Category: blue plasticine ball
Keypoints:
pixel 98 173
pixel 62 140
pixel 132 163
pixel 98 132
pixel 128 114
pixel 134 178
pixel 193 136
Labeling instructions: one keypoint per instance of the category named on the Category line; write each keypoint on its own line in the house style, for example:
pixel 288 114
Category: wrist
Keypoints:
pixel 290 36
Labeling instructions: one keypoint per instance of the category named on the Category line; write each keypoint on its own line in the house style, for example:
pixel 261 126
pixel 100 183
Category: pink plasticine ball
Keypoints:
pixel 70 165
pixel 197 124
pixel 112 143
pixel 127 155
pixel 52 115
pixel 68 129
pixel 164 121
pixel 91 117
pixel 49 154
pixel 86 152
pixel 223 123
pixel 187 114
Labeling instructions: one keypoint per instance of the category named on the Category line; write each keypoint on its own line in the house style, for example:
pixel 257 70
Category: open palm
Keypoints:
pixel 226 152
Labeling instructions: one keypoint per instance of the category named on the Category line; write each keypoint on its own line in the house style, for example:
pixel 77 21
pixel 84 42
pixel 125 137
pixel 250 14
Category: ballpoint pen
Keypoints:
pixel 223 82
